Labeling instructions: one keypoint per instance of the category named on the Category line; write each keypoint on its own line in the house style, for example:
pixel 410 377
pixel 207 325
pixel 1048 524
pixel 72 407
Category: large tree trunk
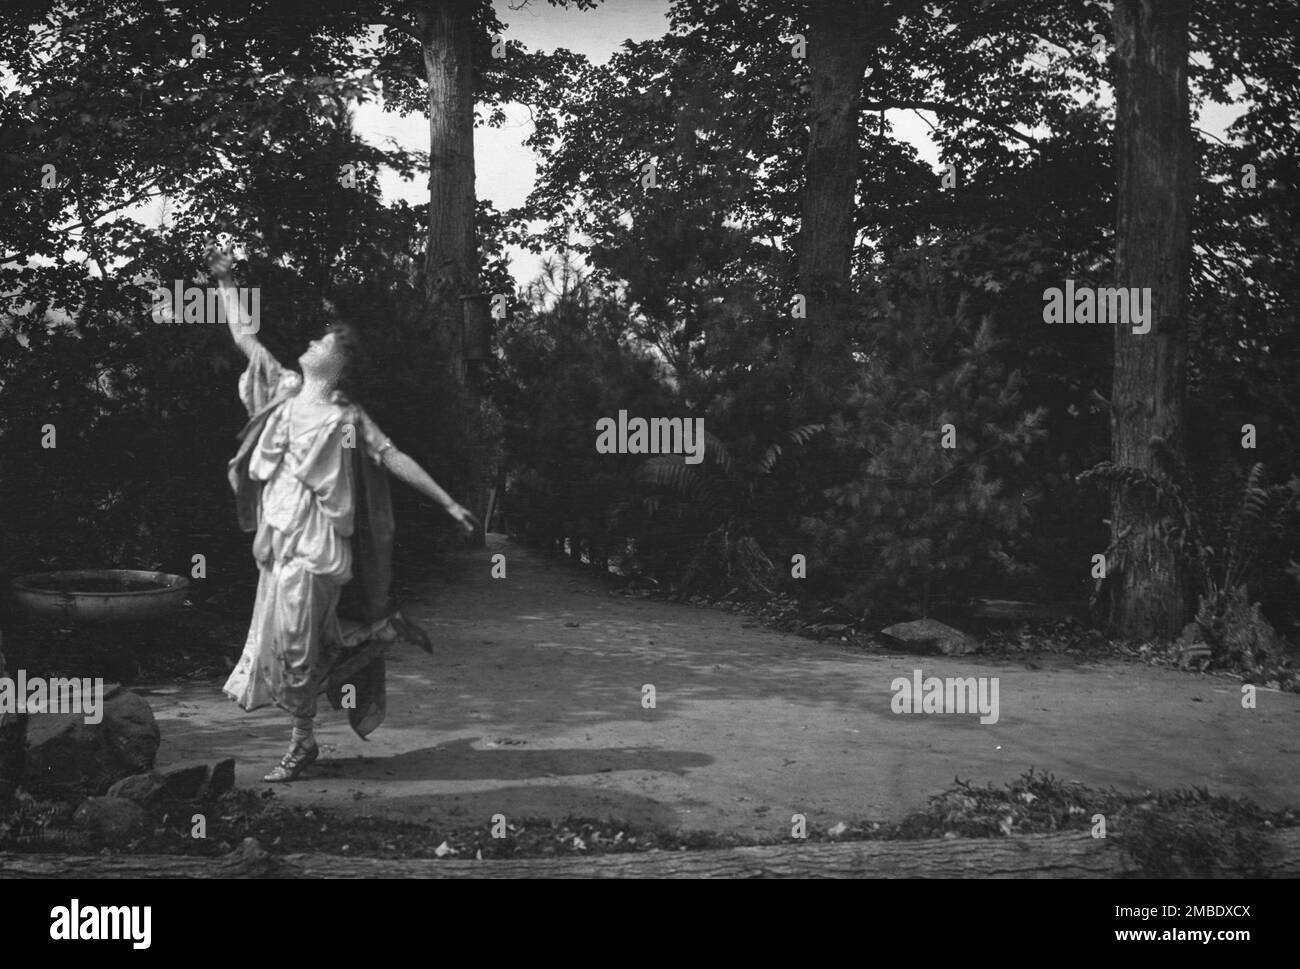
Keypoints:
pixel 451 262
pixel 1074 855
pixel 1153 247
pixel 837 59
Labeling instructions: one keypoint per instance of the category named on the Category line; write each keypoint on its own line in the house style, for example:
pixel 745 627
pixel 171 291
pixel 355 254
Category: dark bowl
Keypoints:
pixel 100 595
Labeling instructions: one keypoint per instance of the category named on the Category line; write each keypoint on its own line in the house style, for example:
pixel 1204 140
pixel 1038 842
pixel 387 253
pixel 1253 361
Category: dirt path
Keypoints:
pixel 532 705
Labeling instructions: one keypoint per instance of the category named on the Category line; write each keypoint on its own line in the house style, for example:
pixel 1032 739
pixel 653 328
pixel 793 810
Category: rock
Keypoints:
pixel 223 778
pixel 110 820
pixel 141 788
pixel 251 860
pixel 930 636
pixel 132 730
pixel 188 780
pixel 66 755
pixel 13 754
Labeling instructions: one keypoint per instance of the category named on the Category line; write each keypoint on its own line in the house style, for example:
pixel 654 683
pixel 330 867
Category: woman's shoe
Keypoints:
pixel 411 632
pixel 298 759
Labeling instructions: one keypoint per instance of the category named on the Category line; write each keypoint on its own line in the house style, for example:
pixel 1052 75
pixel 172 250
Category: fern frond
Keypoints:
pixel 798 436
pixel 715 449
pixel 671 473
pixel 804 433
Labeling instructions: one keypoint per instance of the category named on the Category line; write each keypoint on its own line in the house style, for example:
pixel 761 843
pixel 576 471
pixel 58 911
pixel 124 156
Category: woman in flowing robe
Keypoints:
pixel 297 457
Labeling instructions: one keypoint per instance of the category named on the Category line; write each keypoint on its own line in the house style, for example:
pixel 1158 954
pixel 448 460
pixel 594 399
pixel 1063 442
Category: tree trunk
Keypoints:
pixel 837 59
pixel 1155 170
pixel 451 261
pixel 1073 855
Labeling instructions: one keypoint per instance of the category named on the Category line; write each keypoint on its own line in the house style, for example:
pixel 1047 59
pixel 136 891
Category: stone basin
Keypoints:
pixel 100 595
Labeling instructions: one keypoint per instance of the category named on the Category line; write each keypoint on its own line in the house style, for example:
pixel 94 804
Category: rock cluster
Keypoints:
pixel 111 764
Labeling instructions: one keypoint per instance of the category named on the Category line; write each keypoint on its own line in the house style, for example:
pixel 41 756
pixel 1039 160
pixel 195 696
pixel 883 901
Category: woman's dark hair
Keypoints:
pixel 351 382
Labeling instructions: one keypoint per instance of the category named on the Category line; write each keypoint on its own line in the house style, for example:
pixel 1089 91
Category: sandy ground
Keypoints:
pixel 532 706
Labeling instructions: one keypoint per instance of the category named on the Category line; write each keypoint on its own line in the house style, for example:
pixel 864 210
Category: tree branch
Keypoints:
pixel 91 238
pixel 1212 135
pixel 939 107
pixel 143 193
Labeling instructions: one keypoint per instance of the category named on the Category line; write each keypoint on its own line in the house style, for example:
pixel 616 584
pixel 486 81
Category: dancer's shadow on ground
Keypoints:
pixel 461 760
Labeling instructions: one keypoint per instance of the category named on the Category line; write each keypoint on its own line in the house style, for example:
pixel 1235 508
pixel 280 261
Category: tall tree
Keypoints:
pixel 842 36
pixel 1155 173
pixel 447 38
pixel 837 58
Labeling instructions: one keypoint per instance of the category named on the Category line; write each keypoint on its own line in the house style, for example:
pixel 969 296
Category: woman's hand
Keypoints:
pixel 464 516
pixel 220 262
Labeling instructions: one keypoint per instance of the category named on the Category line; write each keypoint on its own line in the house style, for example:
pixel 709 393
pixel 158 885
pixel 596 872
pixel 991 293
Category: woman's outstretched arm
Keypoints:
pixel 404 468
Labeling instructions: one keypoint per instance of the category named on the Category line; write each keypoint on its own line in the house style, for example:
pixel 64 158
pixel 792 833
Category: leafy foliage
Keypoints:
pixel 683 300
pixel 933 440
pixel 724 490
pixel 1221 544
pixel 251 140
pixel 564 366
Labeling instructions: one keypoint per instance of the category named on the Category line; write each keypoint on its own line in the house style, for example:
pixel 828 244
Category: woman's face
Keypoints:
pixel 322 357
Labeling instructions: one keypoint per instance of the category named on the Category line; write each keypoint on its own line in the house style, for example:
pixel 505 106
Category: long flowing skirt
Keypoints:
pixel 292 640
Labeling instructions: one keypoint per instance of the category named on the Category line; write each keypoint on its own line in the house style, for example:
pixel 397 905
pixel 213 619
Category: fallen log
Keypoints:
pixel 1072 855
pixel 1011 610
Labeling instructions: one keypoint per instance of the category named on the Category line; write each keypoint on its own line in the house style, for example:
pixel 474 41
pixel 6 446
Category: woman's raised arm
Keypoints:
pixel 220 262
